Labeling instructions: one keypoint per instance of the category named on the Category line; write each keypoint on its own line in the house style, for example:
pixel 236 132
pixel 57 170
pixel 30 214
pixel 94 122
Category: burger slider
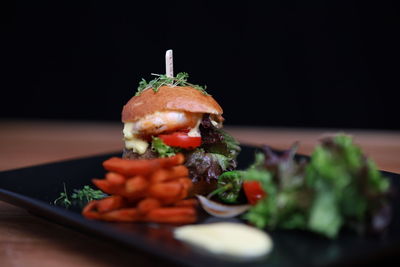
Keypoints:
pixel 170 116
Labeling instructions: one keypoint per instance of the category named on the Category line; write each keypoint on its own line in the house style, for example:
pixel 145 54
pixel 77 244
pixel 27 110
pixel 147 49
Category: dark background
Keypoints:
pixel 281 63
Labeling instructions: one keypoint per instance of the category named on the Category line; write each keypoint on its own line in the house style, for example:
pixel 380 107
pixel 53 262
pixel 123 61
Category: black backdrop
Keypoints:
pixel 281 63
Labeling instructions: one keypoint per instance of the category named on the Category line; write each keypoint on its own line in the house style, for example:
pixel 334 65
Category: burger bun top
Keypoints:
pixel 176 98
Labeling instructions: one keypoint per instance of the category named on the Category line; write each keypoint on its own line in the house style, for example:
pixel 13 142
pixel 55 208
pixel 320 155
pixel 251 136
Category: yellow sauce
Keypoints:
pixel 227 239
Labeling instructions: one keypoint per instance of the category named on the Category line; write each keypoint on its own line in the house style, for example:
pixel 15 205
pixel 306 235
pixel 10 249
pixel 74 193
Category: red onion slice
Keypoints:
pixel 220 210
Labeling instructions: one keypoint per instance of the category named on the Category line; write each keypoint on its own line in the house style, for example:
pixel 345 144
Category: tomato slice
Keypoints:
pixel 180 139
pixel 253 191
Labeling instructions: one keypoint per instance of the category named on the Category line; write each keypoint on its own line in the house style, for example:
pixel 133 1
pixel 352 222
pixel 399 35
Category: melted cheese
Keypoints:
pixel 132 141
pixel 128 130
pixel 137 145
pixel 227 239
pixel 195 132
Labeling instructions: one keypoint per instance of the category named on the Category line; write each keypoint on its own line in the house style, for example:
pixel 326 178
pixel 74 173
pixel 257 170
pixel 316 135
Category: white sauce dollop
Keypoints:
pixel 235 240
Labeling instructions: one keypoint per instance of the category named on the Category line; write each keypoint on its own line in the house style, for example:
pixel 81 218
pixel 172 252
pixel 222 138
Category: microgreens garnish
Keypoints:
pixel 87 194
pixel 63 198
pixel 83 195
pixel 179 80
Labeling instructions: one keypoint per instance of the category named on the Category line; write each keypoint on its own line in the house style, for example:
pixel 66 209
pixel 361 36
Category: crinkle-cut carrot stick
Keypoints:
pixel 178 215
pixel 105 186
pixel 136 186
pixel 131 168
pixel 147 204
pixel 122 215
pixel 178 171
pixel 90 212
pixel 178 159
pixel 110 203
pixel 190 202
pixel 152 190
pixel 159 176
pixel 165 190
pixel 168 174
pixel 115 178
pixel 187 186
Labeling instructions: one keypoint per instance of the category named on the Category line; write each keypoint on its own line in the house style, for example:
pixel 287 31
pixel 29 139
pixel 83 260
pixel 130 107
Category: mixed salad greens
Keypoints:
pixel 339 186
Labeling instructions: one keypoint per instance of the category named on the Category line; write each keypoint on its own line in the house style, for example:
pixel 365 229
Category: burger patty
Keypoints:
pixel 129 154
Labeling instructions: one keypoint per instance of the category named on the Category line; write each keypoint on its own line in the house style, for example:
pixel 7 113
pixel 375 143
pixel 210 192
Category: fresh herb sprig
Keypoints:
pixel 87 194
pixel 179 80
pixel 63 199
pixel 83 195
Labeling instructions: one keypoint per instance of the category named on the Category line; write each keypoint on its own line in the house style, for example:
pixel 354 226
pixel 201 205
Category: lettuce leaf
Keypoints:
pixel 207 166
pixel 338 187
pixel 163 150
pixel 218 141
pixel 216 155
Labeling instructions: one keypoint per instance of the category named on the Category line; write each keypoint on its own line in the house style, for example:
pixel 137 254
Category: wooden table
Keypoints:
pixel 26 240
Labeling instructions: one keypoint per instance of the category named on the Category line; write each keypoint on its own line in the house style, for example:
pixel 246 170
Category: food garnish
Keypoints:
pixel 63 198
pixel 162 79
pixel 338 187
pixel 145 190
pixel 83 195
pixel 87 194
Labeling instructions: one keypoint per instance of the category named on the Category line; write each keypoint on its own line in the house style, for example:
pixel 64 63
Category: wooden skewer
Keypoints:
pixel 169 64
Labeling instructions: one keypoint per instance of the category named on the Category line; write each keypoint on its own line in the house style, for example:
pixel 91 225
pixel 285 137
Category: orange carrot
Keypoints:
pixel 152 190
pixel 178 171
pixel 147 204
pixel 122 215
pixel 105 186
pixel 172 161
pixel 190 202
pixel 90 212
pixel 110 203
pixel 167 174
pixel 187 186
pixel 115 178
pixel 159 176
pixel 177 215
pixel 165 190
pixel 136 186
pixel 129 167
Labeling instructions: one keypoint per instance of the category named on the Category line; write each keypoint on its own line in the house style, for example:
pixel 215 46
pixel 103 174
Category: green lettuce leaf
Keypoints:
pixel 163 150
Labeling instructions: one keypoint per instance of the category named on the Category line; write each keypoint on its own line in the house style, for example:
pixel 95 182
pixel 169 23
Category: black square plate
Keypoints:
pixel 35 189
